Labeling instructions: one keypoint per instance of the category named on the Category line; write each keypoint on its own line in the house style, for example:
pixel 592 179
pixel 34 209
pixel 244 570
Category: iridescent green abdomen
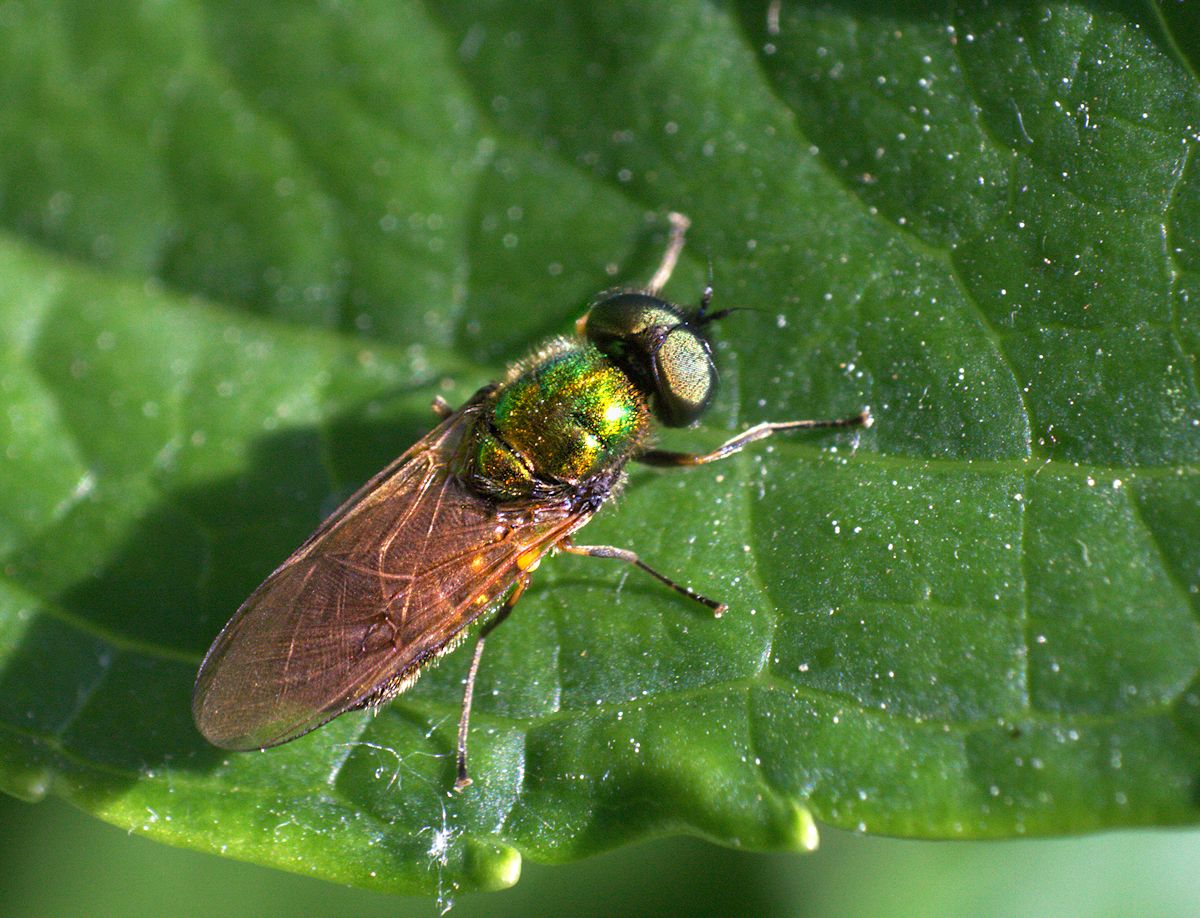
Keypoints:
pixel 563 416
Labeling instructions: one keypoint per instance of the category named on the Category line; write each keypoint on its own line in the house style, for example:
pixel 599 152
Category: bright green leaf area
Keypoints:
pixel 243 246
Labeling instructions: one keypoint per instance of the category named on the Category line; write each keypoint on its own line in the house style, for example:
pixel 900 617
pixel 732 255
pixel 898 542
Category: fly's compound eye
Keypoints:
pixel 686 377
pixel 657 345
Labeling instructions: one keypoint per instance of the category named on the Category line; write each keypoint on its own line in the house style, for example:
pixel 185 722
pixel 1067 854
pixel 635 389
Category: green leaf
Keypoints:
pixel 243 247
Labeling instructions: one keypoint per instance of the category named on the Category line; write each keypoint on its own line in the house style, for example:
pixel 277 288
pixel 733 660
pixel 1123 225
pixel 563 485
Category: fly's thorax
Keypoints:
pixel 565 416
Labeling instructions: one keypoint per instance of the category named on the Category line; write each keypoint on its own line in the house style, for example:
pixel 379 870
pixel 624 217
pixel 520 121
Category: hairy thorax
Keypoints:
pixel 560 419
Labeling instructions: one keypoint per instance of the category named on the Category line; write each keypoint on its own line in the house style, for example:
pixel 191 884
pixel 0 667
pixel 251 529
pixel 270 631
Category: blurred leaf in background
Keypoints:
pixel 56 861
pixel 242 248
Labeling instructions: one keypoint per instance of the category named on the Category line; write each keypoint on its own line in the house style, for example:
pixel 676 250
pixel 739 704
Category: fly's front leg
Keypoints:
pixel 463 780
pixel 744 439
pixel 629 557
pixel 679 228
pixel 666 267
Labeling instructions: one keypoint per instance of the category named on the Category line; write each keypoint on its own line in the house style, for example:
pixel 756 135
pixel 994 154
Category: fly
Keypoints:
pixel 451 532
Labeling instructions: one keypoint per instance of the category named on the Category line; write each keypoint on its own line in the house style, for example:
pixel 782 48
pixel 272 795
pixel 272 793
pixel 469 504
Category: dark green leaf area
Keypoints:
pixel 935 630
pixel 244 247
pixel 992 780
pixel 1040 153
pixel 1077 661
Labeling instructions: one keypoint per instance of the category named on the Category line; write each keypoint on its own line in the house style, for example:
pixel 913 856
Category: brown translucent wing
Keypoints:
pixel 388 582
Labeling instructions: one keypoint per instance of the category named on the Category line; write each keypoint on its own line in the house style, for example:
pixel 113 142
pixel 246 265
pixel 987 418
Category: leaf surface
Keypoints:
pixel 244 247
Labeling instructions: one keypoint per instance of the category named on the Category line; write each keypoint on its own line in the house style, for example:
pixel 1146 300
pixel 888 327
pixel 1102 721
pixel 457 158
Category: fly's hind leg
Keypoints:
pixel 464 721
pixel 746 437
pixel 441 407
pixel 629 557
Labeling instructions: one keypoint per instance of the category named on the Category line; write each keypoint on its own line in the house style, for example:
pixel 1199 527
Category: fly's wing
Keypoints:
pixel 385 584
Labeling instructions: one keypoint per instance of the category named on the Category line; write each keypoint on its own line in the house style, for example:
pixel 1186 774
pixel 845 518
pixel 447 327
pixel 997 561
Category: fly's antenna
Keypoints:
pixel 703 316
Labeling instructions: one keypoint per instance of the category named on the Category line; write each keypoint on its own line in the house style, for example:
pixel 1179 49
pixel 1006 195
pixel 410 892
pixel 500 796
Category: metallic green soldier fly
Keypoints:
pixel 452 530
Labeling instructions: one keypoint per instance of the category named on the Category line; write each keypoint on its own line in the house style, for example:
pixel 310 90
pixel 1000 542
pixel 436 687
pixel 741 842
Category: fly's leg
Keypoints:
pixel 679 228
pixel 463 780
pixel 624 554
pixel 744 439
pixel 441 407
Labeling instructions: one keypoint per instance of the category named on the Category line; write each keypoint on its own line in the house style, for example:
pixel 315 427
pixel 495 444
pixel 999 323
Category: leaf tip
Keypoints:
pixel 30 785
pixel 494 866
pixel 804 833
pixel 508 867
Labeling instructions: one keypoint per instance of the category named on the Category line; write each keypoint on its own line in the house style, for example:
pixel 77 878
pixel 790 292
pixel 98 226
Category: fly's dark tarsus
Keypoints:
pixel 451 532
